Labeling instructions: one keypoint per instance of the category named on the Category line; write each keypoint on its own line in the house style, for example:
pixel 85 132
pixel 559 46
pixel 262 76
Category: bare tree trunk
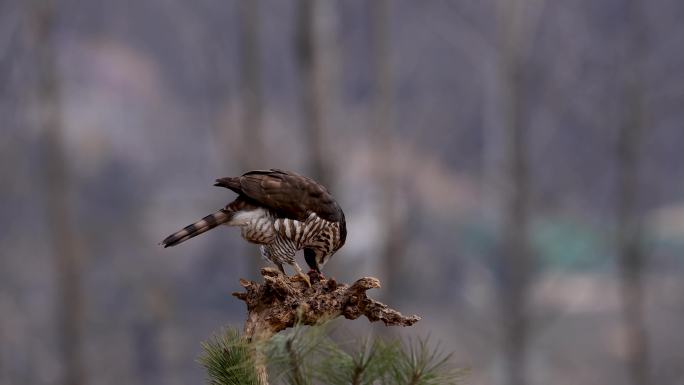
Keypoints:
pixel 251 87
pixel 382 142
pixel 68 258
pixel 493 175
pixel 516 261
pixel 315 84
pixel 629 231
pixel 253 156
pixel 515 257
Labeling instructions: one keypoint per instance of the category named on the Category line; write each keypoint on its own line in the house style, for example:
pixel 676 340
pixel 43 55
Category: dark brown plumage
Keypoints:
pixel 283 212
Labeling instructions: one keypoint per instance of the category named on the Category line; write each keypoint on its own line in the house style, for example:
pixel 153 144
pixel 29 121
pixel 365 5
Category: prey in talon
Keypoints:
pixel 282 212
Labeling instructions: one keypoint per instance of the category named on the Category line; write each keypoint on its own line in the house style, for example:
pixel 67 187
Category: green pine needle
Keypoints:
pixel 364 366
pixel 305 355
pixel 418 364
pixel 228 360
pixel 291 354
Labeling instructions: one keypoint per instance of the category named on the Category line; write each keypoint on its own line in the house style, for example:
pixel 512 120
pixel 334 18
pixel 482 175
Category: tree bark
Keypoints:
pixel 282 301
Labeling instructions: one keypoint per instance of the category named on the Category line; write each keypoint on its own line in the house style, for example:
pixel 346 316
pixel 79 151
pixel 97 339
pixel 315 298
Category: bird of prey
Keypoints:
pixel 282 212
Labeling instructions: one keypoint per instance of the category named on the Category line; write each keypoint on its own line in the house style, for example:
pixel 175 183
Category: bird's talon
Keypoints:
pixel 305 278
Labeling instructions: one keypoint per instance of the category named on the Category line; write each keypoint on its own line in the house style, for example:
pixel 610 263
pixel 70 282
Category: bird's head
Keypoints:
pixel 320 256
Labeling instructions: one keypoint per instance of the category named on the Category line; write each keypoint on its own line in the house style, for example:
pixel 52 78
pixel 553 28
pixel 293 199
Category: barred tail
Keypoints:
pixel 205 224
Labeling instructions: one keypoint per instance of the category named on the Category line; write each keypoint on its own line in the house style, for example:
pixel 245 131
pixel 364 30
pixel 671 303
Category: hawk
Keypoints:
pixel 282 212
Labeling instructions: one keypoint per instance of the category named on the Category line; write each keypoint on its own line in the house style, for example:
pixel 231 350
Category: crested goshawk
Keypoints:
pixel 282 212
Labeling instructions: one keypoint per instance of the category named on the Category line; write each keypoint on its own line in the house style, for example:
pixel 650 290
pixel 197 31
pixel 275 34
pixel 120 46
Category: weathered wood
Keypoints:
pixel 281 302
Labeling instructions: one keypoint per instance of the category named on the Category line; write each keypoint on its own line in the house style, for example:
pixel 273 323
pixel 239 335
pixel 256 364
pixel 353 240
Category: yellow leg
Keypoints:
pixel 300 273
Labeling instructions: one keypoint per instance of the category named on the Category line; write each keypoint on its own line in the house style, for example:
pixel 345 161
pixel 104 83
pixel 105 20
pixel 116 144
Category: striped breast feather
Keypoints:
pixel 294 230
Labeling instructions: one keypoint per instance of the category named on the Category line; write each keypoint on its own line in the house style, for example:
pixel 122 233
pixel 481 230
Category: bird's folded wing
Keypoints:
pixel 294 196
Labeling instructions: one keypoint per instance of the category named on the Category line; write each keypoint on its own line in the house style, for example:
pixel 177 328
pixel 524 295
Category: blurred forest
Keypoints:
pixel 512 170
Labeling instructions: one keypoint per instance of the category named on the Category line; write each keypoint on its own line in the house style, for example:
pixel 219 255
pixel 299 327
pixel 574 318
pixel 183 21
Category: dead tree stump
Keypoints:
pixel 281 302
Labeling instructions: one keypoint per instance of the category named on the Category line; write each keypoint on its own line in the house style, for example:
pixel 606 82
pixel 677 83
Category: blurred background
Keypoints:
pixel 510 169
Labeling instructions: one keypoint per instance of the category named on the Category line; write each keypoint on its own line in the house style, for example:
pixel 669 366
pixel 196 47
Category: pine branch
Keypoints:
pixel 306 355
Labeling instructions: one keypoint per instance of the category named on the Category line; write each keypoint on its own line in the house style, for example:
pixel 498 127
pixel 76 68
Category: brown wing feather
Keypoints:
pixel 290 194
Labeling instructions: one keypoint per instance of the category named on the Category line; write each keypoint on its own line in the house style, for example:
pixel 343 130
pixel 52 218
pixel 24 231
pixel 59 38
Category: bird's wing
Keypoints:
pixel 290 194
